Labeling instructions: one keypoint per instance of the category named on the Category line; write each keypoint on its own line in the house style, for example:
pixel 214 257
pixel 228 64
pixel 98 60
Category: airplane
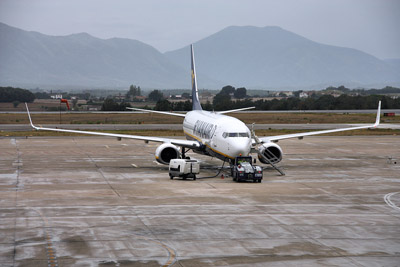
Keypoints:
pixel 213 133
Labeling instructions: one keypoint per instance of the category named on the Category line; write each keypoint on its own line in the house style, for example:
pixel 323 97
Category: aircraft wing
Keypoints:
pixel 300 135
pixel 178 142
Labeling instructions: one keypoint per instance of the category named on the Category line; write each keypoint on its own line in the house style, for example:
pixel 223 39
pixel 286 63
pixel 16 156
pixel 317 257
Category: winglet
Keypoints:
pixel 29 115
pixel 378 115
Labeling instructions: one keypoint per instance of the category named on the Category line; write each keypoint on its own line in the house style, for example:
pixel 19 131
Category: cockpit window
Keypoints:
pixel 225 135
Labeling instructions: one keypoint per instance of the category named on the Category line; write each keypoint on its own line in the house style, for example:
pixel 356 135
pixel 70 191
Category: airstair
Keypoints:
pixel 270 161
pixel 272 157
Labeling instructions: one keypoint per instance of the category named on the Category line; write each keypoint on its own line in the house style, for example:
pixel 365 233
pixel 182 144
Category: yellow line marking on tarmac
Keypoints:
pixel 171 251
pixel 51 253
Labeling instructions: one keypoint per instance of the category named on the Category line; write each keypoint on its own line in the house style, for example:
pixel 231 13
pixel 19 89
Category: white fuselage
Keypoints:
pixel 223 136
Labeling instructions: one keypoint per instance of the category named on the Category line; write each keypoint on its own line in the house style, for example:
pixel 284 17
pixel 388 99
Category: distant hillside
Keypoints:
pixel 80 60
pixel 395 62
pixel 272 57
pixel 258 58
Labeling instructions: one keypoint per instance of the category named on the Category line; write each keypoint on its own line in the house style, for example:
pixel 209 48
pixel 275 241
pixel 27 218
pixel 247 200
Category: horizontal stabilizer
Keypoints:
pixel 234 110
pixel 159 112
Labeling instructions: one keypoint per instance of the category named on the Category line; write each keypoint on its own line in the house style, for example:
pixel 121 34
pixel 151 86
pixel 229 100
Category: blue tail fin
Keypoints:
pixel 195 94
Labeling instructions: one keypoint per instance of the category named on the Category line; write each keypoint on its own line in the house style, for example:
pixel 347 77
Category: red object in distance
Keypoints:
pixel 66 102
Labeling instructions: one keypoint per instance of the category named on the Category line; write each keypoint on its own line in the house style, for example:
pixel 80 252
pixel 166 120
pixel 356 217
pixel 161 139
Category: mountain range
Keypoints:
pixel 253 57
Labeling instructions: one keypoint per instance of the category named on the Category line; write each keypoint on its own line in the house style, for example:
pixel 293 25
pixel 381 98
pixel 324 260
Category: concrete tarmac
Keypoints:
pixel 92 201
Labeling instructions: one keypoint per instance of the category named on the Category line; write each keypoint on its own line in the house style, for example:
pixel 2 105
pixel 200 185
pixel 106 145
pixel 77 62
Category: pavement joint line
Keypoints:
pixel 18 166
pixel 209 184
pixel 342 197
pixel 315 240
pixel 100 171
pixel 172 254
pixel 50 250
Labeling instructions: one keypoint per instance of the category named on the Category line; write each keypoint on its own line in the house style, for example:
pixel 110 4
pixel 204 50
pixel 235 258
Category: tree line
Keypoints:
pixel 324 102
pixel 224 101
pixel 385 90
pixel 111 105
pixel 11 94
pixel 233 98
pixel 133 92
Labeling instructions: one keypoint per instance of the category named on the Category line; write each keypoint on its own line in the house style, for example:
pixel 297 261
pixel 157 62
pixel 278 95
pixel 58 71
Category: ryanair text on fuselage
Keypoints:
pixel 204 129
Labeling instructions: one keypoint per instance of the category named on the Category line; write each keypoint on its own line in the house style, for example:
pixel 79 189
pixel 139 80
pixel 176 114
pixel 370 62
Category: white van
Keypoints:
pixel 185 168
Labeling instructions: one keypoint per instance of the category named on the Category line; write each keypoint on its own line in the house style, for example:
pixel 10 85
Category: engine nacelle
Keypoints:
pixel 271 151
pixel 166 152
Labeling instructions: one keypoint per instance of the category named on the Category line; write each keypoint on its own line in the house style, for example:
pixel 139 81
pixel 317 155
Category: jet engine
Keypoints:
pixel 270 151
pixel 166 152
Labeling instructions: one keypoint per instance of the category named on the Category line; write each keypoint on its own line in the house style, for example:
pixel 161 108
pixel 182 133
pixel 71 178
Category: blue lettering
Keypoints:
pixel 204 129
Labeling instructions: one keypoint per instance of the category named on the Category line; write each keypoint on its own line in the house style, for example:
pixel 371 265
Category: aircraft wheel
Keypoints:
pixel 171 177
pixel 194 177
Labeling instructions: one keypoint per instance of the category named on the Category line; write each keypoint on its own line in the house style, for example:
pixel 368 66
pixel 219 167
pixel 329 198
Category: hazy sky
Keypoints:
pixel 372 26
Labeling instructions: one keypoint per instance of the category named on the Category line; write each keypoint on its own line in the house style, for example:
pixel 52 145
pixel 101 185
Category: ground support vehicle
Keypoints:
pixel 185 168
pixel 244 170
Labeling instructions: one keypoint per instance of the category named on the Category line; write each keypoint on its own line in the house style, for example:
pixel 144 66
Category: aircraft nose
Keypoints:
pixel 241 146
